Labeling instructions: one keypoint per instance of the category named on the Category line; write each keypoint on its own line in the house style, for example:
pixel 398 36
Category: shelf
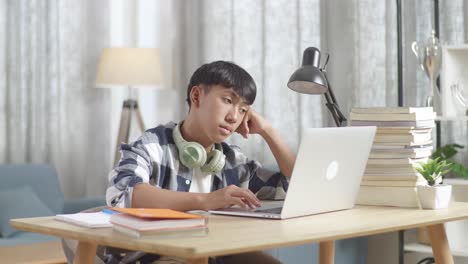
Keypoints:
pixel 455 181
pixel 421 248
pixel 451 118
pixel 453 72
pixel 456 47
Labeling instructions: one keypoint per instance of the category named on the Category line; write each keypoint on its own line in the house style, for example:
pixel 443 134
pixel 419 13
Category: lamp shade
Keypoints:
pixel 309 78
pixel 135 67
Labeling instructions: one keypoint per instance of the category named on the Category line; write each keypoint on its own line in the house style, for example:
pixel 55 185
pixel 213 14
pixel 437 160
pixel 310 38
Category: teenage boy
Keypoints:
pixel 188 166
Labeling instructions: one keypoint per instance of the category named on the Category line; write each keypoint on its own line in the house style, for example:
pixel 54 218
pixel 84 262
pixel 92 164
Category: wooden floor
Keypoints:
pixel 39 253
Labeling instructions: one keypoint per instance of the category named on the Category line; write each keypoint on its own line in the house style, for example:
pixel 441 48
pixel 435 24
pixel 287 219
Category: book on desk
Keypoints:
pixel 89 220
pixel 139 222
pixel 403 140
pixel 427 115
pixel 392 110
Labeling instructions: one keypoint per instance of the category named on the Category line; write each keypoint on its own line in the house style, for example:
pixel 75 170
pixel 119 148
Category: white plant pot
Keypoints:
pixel 434 197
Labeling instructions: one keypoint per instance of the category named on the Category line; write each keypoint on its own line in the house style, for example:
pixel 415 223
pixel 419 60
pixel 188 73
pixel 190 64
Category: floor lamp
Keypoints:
pixel 130 68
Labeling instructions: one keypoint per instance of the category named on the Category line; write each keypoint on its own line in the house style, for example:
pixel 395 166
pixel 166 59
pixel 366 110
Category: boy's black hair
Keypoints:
pixel 226 74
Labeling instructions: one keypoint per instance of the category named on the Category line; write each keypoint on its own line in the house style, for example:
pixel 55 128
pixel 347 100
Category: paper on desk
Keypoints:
pixel 90 220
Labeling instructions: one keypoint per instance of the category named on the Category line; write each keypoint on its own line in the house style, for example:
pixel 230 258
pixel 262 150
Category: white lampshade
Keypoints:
pixel 131 67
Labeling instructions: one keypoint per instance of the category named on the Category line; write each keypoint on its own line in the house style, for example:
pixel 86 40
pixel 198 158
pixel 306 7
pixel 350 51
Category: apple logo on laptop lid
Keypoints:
pixel 332 170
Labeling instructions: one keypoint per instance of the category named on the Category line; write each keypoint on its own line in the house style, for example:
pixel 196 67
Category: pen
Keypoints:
pixel 108 211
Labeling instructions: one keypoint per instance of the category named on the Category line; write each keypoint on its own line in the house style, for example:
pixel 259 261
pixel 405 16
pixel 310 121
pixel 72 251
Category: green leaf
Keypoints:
pixel 459 170
pixel 445 153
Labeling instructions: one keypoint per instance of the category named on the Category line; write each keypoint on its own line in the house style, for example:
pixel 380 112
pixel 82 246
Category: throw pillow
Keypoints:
pixel 20 202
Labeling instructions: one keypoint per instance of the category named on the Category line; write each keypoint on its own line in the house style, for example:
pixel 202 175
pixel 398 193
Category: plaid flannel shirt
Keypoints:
pixel 154 159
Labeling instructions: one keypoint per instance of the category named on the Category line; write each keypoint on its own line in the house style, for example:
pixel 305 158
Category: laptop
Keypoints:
pixel 326 175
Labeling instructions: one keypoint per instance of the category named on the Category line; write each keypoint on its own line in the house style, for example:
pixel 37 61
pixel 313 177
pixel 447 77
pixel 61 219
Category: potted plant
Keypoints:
pixel 434 195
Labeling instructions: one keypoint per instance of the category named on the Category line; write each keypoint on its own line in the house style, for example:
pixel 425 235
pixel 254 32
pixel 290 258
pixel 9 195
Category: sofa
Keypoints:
pixel 31 190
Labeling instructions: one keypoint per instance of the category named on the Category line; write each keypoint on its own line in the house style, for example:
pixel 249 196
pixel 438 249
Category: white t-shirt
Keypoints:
pixel 201 181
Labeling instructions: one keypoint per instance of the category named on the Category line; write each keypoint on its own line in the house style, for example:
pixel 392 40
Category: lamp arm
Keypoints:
pixel 337 109
pixel 332 104
pixel 330 107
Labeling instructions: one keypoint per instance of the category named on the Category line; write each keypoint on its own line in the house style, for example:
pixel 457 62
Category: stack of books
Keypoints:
pixel 403 138
pixel 160 223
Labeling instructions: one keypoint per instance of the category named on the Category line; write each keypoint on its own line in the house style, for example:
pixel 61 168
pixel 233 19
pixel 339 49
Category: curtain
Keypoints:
pixel 48 110
pixel 268 38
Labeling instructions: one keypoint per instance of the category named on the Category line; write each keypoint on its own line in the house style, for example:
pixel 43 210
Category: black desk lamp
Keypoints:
pixel 311 79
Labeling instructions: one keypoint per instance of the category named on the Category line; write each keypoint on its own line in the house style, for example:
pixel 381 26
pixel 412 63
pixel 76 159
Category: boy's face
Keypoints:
pixel 220 111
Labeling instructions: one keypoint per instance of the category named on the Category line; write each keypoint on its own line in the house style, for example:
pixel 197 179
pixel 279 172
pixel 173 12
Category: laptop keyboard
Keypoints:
pixel 276 210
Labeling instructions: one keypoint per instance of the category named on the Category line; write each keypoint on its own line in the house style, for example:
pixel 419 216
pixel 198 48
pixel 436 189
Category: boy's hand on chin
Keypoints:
pixel 229 196
pixel 253 123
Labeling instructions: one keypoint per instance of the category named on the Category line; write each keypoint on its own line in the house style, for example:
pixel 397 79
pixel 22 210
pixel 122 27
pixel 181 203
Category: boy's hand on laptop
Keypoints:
pixel 253 123
pixel 229 196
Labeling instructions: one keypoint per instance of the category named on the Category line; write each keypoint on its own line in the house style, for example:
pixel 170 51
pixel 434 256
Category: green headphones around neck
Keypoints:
pixel 193 155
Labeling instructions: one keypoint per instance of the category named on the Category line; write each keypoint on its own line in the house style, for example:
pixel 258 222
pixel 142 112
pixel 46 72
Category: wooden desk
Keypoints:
pixel 229 235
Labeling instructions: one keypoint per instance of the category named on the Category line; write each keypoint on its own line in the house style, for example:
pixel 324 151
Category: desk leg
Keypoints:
pixel 85 253
pixel 198 261
pixel 327 252
pixel 440 246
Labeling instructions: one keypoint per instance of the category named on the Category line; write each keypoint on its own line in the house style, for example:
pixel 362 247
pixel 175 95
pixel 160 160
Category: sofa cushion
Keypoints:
pixel 19 203
pixel 41 178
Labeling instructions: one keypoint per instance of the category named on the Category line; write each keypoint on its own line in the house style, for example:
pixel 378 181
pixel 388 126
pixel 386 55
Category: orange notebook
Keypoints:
pixel 153 213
